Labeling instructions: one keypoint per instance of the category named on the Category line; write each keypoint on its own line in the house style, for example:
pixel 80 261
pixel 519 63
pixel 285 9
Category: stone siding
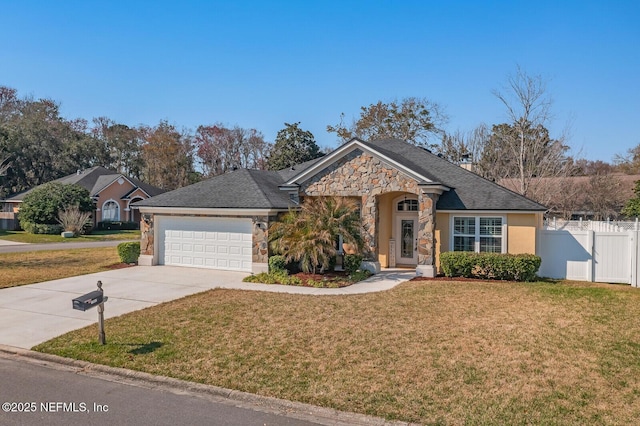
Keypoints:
pixel 146 234
pixel 359 174
pixel 260 239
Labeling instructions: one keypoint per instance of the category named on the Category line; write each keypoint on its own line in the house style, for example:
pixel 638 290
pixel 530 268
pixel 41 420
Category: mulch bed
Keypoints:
pixel 337 277
pixel 121 265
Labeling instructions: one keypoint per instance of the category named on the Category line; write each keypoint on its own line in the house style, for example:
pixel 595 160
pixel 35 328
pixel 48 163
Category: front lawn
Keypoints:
pixel 37 266
pixel 25 237
pixel 429 352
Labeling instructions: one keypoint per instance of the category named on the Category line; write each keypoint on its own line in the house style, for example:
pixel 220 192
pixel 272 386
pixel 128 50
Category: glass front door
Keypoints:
pixel 406 236
pixel 406 244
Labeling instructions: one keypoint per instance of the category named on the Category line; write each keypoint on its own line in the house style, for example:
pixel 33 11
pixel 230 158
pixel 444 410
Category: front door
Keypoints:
pixel 406 239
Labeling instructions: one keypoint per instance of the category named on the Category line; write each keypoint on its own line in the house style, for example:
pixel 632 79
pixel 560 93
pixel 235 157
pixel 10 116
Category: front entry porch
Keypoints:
pixel 405 228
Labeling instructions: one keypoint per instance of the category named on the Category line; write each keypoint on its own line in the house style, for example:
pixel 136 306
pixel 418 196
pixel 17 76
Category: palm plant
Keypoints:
pixel 309 236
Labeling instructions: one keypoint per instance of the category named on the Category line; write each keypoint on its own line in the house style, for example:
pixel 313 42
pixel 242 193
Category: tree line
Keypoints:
pixel 37 145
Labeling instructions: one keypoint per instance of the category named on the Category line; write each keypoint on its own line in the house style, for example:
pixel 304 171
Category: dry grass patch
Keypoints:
pixel 37 266
pixel 434 353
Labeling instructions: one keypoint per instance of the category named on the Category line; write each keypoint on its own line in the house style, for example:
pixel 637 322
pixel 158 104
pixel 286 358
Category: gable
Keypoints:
pixel 136 193
pixel 356 174
pixel 355 145
pixel 116 189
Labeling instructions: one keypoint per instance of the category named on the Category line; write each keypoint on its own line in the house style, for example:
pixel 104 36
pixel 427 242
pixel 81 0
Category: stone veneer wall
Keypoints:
pixel 359 174
pixel 146 234
pixel 260 239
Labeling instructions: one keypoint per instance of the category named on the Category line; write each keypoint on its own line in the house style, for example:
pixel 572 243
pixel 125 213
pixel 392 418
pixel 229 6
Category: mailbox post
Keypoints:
pixel 88 301
pixel 101 335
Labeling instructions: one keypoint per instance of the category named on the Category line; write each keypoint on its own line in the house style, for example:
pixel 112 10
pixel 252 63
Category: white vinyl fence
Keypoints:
pixel 587 255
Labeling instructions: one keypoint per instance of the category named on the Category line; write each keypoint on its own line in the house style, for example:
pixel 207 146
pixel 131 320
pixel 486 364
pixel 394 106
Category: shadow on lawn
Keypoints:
pixel 145 348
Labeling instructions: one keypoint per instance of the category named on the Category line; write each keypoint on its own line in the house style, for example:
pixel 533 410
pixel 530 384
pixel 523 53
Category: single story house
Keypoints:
pixel 112 194
pixel 414 206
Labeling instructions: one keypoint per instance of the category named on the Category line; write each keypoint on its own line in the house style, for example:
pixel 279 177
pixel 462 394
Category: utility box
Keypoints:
pixel 88 301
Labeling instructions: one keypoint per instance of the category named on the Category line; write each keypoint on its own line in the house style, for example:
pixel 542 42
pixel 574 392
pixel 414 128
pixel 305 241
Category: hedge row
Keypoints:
pixel 351 263
pixel 42 228
pixel 496 266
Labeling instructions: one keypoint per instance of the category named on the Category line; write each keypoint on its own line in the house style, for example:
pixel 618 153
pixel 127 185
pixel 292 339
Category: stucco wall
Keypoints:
pixel 114 192
pixel 521 232
pixel 385 226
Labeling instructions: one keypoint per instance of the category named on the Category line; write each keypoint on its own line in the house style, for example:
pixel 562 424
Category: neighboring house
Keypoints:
pixel 112 194
pixel 414 206
pixel 593 197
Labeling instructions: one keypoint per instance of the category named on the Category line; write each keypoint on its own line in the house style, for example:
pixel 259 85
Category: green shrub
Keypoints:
pixel 129 252
pixel 41 228
pixel 359 276
pixel 280 277
pixel 497 266
pixel 42 204
pixel 352 263
pixel 277 263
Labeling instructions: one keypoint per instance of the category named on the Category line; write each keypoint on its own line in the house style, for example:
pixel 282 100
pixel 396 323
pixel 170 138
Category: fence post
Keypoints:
pixel 590 262
pixel 635 257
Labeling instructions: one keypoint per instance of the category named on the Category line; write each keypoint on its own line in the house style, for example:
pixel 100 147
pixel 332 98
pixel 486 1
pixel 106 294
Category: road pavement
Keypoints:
pixel 36 393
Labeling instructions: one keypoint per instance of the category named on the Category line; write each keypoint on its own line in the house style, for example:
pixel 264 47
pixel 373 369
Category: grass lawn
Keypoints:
pixel 24 237
pixel 428 352
pixel 37 266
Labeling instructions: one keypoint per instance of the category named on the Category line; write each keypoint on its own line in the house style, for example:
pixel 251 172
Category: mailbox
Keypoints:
pixel 89 300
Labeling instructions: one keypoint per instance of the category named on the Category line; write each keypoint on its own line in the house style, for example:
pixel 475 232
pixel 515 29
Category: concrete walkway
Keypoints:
pixel 35 313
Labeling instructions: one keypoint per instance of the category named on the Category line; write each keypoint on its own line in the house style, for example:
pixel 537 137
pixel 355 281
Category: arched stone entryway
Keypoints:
pixel 360 174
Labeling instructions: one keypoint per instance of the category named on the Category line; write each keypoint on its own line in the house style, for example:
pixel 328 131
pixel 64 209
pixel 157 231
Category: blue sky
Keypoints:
pixel 260 64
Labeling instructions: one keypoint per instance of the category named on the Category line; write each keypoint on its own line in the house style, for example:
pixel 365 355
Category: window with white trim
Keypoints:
pixel 110 211
pixel 407 205
pixel 478 233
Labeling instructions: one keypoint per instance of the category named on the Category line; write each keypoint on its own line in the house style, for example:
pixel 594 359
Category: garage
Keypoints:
pixel 205 242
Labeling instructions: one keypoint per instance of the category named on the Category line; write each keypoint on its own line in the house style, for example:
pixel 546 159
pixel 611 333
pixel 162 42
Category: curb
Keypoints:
pixel 292 409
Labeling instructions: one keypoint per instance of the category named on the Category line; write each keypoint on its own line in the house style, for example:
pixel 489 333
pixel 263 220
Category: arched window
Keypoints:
pixel 110 211
pixel 407 206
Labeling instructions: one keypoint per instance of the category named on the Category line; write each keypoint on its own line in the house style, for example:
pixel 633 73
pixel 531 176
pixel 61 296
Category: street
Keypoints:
pixel 34 393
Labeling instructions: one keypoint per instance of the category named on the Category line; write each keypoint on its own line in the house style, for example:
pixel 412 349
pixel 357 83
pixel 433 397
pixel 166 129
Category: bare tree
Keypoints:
pixel 220 149
pixel 459 146
pixel 523 149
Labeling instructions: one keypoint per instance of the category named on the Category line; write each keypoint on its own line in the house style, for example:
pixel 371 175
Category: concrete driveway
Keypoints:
pixel 35 313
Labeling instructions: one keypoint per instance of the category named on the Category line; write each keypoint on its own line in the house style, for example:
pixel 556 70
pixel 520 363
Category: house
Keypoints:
pixel 414 206
pixel 112 193
pixel 593 197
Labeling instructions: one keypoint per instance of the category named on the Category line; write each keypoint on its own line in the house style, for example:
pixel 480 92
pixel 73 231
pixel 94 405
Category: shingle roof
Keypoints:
pixel 94 180
pixel 258 189
pixel 240 189
pixel 469 191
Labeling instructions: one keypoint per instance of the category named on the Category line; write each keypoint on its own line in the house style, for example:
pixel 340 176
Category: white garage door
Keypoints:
pixel 216 243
